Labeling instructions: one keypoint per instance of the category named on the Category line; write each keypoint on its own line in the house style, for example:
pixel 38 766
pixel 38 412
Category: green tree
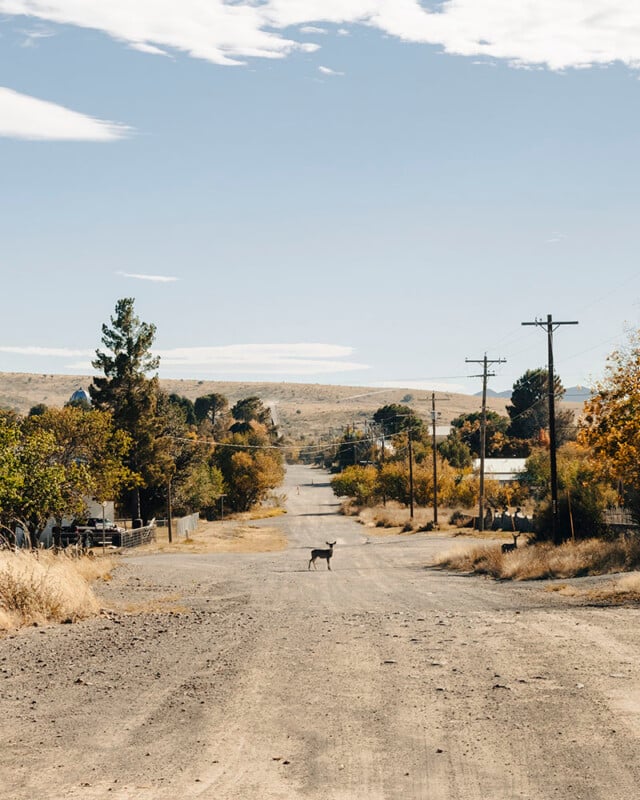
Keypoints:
pixel 186 406
pixel 583 490
pixel 455 450
pixel 132 396
pixel 87 438
pixel 34 485
pixel 529 407
pixel 210 406
pixel 396 417
pixel 466 428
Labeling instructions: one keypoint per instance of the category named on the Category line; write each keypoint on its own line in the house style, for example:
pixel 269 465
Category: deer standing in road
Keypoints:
pixel 321 553
pixel 509 547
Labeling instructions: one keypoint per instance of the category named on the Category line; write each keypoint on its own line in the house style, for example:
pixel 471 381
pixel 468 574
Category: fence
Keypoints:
pixel 138 536
pixel 619 516
pixel 185 525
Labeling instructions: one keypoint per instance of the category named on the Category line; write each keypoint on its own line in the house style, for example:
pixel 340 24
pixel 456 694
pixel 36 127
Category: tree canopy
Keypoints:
pixel 396 417
pixel 131 396
pixel 610 424
pixel 529 407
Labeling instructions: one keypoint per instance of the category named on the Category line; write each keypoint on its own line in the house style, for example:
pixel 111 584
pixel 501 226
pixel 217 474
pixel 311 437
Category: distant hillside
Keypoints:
pixel 300 409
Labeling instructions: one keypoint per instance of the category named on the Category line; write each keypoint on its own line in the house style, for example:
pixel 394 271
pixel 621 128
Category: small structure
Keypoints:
pixel 80 396
pixel 503 470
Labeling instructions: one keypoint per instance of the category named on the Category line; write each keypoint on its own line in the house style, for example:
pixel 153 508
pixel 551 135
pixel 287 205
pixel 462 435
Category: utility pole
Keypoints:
pixel 410 438
pixel 434 416
pixel 169 511
pixel 551 326
pixel 381 464
pixel 483 424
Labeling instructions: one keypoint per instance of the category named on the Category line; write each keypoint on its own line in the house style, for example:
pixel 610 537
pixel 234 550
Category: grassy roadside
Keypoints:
pixel 40 587
pixel 540 561
pixel 228 536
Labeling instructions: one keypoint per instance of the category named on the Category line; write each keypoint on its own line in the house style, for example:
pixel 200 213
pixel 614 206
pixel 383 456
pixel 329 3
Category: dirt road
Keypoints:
pixel 378 679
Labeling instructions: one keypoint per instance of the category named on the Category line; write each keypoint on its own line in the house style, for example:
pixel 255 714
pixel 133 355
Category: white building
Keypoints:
pixel 503 470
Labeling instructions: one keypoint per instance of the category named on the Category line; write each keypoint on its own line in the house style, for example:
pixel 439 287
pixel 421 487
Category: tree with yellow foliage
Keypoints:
pixel 610 425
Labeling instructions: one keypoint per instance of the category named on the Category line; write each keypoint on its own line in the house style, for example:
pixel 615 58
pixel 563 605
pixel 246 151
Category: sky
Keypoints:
pixel 358 192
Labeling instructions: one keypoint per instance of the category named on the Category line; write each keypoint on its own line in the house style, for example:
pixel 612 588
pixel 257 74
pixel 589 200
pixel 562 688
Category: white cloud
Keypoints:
pixel 239 359
pixel 312 29
pixel 264 359
pixel 32 37
pixel 557 237
pixel 25 117
pixel 52 352
pixel 329 71
pixel 555 33
pixel 142 277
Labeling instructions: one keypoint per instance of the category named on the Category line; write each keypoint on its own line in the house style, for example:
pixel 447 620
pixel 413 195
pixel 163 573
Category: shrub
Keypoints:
pixel 46 587
pixel 538 561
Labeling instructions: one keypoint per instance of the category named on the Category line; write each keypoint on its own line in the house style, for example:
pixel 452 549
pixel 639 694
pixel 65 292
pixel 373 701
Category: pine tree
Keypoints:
pixel 132 396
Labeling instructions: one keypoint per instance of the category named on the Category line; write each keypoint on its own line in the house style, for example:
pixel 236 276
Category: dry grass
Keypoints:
pixel 41 587
pixel 590 557
pixel 220 537
pixel 394 518
pixel 260 513
pixel 624 590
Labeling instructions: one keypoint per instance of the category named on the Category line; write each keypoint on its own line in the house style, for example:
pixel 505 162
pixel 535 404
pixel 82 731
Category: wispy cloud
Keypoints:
pixel 556 237
pixel 139 276
pixel 262 359
pixel 33 36
pixel 304 359
pixel 555 33
pixel 313 29
pixel 25 117
pixel 49 352
pixel 329 71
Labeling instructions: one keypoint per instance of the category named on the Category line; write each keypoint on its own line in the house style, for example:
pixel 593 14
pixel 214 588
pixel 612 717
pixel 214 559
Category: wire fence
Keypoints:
pixel 137 536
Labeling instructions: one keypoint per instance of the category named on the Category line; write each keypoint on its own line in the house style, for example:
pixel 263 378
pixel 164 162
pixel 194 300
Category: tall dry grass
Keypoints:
pixel 570 560
pixel 41 587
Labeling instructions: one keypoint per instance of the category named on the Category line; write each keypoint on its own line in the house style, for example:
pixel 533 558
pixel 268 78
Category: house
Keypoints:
pixel 503 470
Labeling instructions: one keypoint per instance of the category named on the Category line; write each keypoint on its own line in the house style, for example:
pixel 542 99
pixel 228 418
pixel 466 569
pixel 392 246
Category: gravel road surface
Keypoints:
pixel 252 677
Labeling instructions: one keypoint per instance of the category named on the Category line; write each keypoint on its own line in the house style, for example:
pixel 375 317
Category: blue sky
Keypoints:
pixel 361 192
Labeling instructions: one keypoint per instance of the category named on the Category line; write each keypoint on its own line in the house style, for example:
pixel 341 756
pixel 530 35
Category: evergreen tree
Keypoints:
pixel 529 408
pixel 132 396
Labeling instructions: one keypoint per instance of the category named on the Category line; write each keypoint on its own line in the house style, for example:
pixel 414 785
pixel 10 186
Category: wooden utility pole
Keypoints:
pixel 483 424
pixel 409 432
pixel 169 511
pixel 551 326
pixel 434 416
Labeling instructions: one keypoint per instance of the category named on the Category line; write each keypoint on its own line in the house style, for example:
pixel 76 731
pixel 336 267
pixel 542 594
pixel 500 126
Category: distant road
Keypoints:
pixel 377 679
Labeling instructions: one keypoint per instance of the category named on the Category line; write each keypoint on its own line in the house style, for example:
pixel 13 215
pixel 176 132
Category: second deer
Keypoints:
pixel 509 547
pixel 322 553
